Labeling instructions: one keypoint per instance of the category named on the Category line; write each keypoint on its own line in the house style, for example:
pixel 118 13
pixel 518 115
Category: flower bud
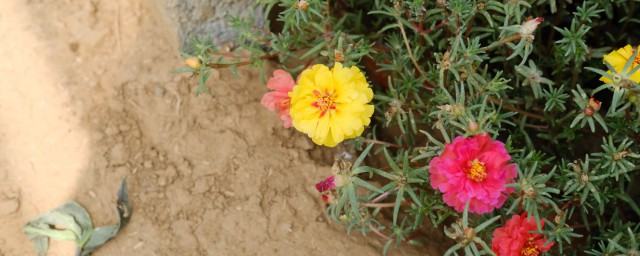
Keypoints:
pixel 328 198
pixel 588 111
pixel 338 55
pixel 558 218
pixel 528 27
pixel 529 192
pixel 469 233
pixel 193 62
pixel 595 104
pixel 472 127
pixel 302 4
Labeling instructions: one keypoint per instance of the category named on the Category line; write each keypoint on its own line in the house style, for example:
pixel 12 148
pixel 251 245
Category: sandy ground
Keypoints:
pixel 87 98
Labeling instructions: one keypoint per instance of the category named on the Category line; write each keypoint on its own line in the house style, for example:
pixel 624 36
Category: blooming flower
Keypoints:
pixel 473 169
pixel 516 238
pixel 331 105
pixel 282 83
pixel 618 58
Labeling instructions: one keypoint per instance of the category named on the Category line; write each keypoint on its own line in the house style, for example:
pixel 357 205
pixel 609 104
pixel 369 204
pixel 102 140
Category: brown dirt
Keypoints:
pixel 87 98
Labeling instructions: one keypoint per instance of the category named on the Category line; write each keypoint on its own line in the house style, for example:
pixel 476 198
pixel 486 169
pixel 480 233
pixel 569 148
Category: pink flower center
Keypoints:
pixel 476 170
pixel 285 104
pixel 530 249
pixel 323 102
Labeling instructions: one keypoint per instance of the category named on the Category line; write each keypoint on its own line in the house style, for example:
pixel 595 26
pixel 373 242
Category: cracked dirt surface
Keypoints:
pixel 87 98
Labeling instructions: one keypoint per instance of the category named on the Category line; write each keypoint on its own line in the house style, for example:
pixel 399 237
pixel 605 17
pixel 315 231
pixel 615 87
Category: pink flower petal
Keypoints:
pixel 326 184
pixel 279 100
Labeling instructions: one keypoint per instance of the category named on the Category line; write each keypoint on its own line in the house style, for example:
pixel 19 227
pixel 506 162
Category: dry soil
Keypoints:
pixel 87 98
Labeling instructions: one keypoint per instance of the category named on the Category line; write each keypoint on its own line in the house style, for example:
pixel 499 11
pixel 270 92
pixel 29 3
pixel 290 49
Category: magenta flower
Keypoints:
pixel 332 182
pixel 326 184
pixel 281 83
pixel 473 169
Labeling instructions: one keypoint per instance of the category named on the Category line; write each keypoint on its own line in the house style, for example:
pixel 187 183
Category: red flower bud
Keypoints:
pixel 589 111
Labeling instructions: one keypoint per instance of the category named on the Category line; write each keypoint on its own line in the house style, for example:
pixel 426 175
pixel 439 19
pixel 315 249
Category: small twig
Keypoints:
pixel 502 42
pixel 377 232
pixel 242 63
pixel 406 43
pixel 519 111
pixel 434 28
pixel 535 126
pixel 378 205
pixel 383 195
pixel 406 13
pixel 328 24
pixel 382 143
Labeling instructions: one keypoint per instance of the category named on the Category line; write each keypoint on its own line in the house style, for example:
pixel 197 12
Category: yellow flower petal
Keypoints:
pixel 618 58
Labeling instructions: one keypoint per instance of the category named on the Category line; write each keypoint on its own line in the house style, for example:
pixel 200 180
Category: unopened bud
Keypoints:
pixel 193 62
pixel 558 218
pixel 528 27
pixel 530 192
pixel 302 4
pixel 472 127
pixel 338 55
pixel 588 111
pixel 620 155
pixel 595 104
pixel 328 198
pixel 469 234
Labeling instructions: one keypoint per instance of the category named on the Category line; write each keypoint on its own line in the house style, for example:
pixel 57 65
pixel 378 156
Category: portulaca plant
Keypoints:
pixel 510 126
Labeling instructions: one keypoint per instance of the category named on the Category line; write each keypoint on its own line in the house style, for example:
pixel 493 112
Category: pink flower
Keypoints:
pixel 326 184
pixel 330 183
pixel 516 238
pixel 473 169
pixel 282 83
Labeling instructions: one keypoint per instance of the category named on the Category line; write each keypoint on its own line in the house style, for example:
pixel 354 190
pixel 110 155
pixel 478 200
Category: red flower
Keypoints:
pixel 282 83
pixel 516 238
pixel 473 169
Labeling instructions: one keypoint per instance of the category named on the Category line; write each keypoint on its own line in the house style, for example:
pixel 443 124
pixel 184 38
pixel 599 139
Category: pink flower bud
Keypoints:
pixel 528 27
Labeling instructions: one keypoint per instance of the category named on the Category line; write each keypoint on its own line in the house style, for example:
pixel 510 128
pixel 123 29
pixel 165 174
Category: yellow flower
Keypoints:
pixel 618 58
pixel 331 105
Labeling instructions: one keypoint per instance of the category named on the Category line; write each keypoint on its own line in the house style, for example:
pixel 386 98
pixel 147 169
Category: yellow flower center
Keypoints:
pixel 323 102
pixel 530 249
pixel 477 171
pixel 636 60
